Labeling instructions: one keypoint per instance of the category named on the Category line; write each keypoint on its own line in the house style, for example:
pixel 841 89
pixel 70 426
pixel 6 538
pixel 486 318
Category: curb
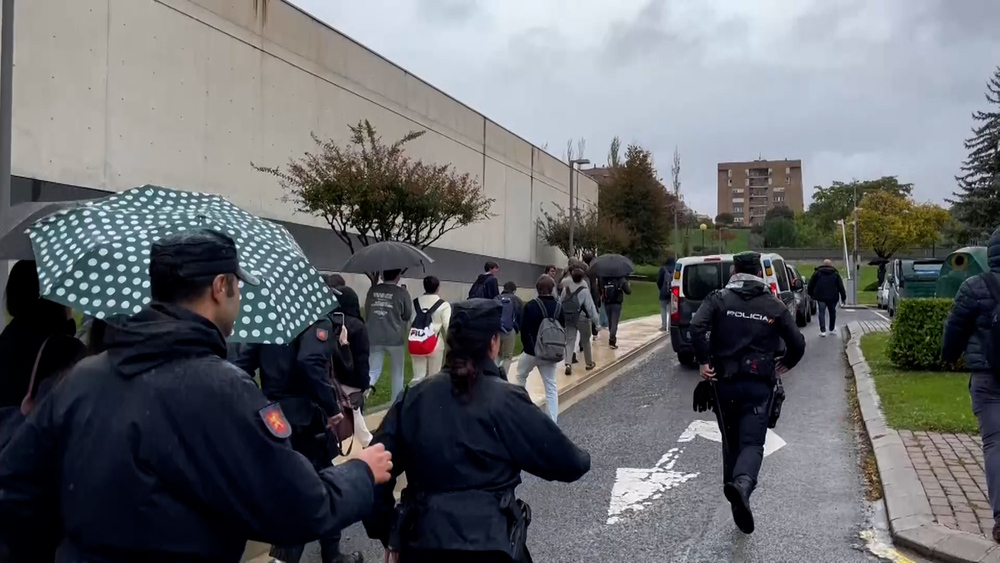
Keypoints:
pixel 911 522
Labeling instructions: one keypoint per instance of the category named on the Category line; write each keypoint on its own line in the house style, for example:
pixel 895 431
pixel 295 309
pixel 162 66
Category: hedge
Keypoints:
pixel 917 331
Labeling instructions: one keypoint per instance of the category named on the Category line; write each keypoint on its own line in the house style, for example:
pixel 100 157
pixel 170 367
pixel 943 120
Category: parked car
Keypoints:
pixel 803 302
pixel 882 296
pixel 697 276
pixel 911 278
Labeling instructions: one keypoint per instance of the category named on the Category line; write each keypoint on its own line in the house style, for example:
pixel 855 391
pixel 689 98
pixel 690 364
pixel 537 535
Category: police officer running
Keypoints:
pixel 747 324
pixel 159 450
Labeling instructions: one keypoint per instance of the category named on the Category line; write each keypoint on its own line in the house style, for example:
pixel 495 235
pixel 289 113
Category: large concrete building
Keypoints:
pixel 112 94
pixel 749 189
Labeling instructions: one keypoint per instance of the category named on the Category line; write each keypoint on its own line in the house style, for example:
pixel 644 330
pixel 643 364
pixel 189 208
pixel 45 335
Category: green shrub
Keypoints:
pixel 917 330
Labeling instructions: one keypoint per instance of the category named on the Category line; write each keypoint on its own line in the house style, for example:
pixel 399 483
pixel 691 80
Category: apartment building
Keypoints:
pixel 749 189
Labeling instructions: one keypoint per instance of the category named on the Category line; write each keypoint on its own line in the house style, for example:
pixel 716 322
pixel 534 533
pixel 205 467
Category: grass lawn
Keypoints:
pixel 919 400
pixel 644 301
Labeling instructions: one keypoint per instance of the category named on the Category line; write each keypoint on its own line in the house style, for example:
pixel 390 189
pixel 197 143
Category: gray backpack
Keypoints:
pixel 550 342
pixel 571 306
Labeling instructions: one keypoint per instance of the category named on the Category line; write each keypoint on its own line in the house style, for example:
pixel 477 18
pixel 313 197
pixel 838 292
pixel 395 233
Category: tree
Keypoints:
pixel 780 232
pixel 836 201
pixel 675 176
pixel 977 201
pixel 724 220
pixel 614 159
pixel 374 190
pixel 634 197
pixel 591 233
pixel 888 223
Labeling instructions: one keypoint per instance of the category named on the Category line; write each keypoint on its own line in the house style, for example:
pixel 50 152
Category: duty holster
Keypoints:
pixel 774 405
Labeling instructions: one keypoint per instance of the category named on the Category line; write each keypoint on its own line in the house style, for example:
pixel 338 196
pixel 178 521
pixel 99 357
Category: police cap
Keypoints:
pixel 476 319
pixel 747 261
pixel 198 254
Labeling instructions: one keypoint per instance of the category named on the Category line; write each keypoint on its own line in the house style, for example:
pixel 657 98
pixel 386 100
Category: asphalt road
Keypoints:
pixel 809 505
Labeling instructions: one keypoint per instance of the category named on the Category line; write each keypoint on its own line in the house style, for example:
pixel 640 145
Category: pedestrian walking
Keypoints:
pixel 160 450
pixel 388 311
pixel 543 342
pixel 510 324
pixel 486 285
pixel 33 322
pixel 579 314
pixel 747 325
pixel 430 325
pixel 613 292
pixel 552 271
pixel 825 287
pixel 355 382
pixel 972 328
pixel 663 279
pixel 463 437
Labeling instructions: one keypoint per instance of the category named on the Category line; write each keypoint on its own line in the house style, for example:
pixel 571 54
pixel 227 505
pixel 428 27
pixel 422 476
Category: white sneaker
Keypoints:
pixel 822 333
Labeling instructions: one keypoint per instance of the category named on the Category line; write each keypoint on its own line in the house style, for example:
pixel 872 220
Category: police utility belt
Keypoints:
pixel 471 520
pixel 759 366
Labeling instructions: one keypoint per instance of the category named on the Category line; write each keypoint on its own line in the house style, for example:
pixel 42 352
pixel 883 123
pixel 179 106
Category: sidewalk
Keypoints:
pixel 933 484
pixel 634 338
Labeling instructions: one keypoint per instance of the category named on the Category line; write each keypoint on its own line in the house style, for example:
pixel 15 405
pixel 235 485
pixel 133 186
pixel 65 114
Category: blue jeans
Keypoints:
pixel 664 314
pixel 376 358
pixel 547 370
pixel 827 307
pixel 985 391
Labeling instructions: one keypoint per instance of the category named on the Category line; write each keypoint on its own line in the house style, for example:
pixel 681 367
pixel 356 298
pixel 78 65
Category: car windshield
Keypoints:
pixel 704 278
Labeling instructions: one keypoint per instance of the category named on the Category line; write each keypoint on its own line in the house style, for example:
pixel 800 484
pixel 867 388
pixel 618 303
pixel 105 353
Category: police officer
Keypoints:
pixel 297 377
pixel 747 324
pixel 158 449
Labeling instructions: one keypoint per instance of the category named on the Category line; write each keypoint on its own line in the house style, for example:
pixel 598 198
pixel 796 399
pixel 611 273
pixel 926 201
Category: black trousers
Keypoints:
pixel 442 556
pixel 743 421
pixel 318 453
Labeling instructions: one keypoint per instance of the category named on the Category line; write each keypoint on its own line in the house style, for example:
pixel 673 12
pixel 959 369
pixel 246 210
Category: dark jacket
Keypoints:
pixel 491 287
pixel 160 450
pixel 357 338
pixel 968 326
pixel 826 285
pixel 19 345
pixel 663 280
pixel 744 317
pixel 532 319
pixel 623 289
pixel 595 288
pixel 481 444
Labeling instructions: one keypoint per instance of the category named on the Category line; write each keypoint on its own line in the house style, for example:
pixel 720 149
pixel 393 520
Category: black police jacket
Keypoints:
pixel 969 325
pixel 744 317
pixel 161 450
pixel 298 374
pixel 457 450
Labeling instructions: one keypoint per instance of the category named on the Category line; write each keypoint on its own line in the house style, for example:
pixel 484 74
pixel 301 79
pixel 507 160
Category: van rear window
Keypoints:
pixel 702 279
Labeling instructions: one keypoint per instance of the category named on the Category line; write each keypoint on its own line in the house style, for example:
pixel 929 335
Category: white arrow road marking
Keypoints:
pixel 635 489
pixel 709 429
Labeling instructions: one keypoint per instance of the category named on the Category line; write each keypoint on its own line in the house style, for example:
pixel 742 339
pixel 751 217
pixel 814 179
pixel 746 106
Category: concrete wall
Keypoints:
pixel 111 94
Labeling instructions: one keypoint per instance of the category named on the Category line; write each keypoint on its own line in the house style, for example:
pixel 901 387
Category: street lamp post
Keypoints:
pixel 857 270
pixel 703 228
pixel 572 202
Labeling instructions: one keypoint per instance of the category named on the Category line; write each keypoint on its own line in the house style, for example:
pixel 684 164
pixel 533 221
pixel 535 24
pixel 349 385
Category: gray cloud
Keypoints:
pixel 450 11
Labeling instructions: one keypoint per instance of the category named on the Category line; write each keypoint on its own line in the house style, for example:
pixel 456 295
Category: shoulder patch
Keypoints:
pixel 275 421
pixel 322 334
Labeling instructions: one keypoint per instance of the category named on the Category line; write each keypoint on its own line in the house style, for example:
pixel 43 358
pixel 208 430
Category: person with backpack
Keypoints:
pixel 486 285
pixel 430 325
pixel 510 324
pixel 544 341
pixel 613 292
pixel 579 315
pixel 388 311
pixel 663 278
pixel 973 328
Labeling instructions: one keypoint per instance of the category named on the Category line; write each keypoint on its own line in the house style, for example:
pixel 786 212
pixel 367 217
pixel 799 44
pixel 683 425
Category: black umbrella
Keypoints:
pixel 386 255
pixel 611 266
pixel 877 261
pixel 15 244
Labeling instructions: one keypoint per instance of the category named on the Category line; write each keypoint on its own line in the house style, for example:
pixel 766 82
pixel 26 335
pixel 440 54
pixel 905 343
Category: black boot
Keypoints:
pixel 738 494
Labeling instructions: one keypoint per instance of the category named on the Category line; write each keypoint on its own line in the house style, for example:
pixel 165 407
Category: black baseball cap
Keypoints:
pixel 198 254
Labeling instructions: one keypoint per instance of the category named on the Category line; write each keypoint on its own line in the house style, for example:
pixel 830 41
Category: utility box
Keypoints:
pixel 960 266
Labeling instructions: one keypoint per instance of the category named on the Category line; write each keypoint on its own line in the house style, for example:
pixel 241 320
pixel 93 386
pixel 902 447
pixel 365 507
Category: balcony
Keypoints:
pixel 758 182
pixel 759 172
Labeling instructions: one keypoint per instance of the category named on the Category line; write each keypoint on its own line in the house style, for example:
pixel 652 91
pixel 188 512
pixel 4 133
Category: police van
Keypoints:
pixel 697 276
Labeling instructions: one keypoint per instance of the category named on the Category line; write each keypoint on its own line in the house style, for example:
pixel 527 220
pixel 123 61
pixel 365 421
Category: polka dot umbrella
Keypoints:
pixel 95 259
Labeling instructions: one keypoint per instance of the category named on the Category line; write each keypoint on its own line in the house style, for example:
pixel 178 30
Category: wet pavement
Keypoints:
pixel 668 504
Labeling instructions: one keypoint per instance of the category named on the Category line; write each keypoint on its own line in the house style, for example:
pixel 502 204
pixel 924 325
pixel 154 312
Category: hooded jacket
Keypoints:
pixel 968 326
pixel 357 339
pixel 160 450
pixel 744 317
pixel 826 285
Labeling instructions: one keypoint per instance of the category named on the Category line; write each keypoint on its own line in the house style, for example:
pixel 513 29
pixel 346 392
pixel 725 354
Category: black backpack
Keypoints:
pixel 994 354
pixel 478 289
pixel 612 290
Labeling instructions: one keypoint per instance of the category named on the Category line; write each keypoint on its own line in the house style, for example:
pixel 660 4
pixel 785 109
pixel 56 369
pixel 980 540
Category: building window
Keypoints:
pixel 730 172
pixel 770 181
pixel 737 190
pixel 770 171
pixel 779 198
pixel 730 182
pixel 746 182
pixel 787 171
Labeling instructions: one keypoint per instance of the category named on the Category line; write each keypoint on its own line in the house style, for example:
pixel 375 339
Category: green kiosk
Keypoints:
pixel 960 266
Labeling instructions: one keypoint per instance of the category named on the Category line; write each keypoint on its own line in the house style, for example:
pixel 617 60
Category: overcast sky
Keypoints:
pixel 855 88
